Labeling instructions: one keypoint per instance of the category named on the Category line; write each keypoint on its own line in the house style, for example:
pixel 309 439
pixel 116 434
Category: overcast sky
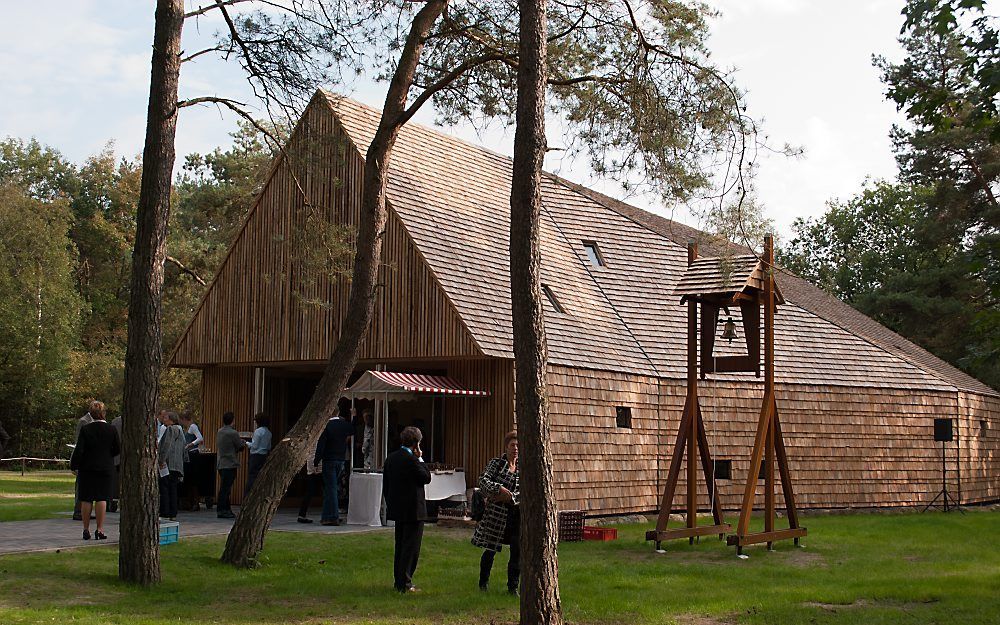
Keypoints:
pixel 75 75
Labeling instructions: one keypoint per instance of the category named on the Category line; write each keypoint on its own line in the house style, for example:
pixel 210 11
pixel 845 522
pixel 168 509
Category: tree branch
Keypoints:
pixel 206 9
pixel 191 57
pixel 444 81
pixel 184 269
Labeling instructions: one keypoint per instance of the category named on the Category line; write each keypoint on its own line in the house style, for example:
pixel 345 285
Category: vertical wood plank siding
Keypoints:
pixel 227 389
pixel 489 418
pixel 262 308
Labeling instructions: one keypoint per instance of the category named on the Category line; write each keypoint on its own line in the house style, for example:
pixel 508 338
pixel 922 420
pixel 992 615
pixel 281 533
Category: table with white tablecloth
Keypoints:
pixel 365 503
pixel 446 485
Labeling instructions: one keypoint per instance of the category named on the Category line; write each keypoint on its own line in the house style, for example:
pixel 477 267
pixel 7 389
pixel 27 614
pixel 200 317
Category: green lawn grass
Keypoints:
pixel 36 495
pixel 871 569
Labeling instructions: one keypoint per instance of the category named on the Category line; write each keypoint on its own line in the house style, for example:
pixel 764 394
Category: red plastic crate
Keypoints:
pixel 600 533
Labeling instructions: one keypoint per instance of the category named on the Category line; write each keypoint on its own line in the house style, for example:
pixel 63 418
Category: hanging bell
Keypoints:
pixel 729 331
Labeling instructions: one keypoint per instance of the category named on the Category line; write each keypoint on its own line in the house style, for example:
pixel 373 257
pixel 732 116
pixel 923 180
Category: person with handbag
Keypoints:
pixel 501 519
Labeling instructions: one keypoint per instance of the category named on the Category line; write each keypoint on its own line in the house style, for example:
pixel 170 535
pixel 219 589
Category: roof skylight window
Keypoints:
pixel 594 253
pixel 552 299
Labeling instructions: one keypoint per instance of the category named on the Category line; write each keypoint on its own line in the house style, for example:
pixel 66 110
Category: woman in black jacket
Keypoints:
pixel 501 522
pixel 93 461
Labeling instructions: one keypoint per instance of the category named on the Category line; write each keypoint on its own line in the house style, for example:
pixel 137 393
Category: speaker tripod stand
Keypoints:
pixel 947 502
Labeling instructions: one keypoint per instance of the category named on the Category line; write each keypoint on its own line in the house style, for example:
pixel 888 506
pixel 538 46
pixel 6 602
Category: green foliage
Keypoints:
pixel 967 25
pixel 78 224
pixel 633 81
pixel 858 245
pixel 39 316
pixel 923 255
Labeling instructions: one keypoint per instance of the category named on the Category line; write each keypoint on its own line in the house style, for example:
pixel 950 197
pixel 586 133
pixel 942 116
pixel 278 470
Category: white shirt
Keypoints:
pixel 199 440
pixel 261 441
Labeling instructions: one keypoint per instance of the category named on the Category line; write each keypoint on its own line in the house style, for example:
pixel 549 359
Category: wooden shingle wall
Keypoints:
pixel 263 307
pixel 979 436
pixel 847 446
pixel 598 466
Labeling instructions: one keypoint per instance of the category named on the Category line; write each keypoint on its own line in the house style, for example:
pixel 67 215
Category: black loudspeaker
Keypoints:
pixel 942 430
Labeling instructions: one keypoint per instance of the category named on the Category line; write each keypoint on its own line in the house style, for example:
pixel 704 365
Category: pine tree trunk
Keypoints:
pixel 540 604
pixel 246 539
pixel 139 555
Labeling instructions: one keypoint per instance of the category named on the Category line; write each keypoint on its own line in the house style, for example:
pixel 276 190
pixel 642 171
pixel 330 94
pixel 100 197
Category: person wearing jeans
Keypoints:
pixel 260 447
pixel 229 445
pixel 331 450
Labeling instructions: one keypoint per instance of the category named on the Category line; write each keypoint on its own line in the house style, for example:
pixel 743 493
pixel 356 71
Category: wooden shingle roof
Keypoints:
pixel 722 275
pixel 624 316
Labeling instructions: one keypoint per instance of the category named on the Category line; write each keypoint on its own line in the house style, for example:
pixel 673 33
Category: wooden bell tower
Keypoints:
pixel 715 284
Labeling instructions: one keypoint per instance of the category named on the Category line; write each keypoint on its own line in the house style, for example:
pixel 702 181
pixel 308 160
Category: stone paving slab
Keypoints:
pixel 52 534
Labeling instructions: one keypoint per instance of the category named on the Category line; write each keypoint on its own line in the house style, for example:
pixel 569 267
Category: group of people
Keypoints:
pixel 96 462
pixel 405 475
pixel 96 459
pixel 179 444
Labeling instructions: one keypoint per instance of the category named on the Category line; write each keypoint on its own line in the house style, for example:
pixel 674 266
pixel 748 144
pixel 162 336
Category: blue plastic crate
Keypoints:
pixel 169 532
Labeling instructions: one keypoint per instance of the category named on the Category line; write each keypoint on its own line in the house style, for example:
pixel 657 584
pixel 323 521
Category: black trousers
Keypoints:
pixel 254 465
pixel 314 485
pixel 168 494
pixel 404 564
pixel 226 479
pixel 513 566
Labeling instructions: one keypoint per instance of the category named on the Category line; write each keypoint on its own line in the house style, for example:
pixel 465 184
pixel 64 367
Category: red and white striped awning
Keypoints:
pixel 392 385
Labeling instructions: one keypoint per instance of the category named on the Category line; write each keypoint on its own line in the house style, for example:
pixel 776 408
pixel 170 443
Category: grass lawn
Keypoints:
pixel 871 569
pixel 36 495
pixel 868 569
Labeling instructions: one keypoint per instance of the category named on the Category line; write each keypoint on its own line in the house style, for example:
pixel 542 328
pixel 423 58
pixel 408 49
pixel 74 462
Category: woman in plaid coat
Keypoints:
pixel 501 522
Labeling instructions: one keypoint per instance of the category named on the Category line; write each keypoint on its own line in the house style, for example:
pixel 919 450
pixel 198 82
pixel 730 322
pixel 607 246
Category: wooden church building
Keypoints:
pixel 858 401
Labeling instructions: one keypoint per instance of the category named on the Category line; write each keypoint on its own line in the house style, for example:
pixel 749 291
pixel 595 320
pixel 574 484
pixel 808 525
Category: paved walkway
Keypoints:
pixel 52 534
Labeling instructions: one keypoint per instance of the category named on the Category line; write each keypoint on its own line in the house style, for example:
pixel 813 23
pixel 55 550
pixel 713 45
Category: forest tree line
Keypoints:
pixel 66 235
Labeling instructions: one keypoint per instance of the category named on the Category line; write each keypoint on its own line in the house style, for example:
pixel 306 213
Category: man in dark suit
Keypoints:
pixel 404 476
pixel 331 450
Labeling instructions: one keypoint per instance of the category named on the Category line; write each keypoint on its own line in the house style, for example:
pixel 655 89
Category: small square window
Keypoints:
pixel 594 253
pixel 623 417
pixel 552 298
pixel 984 427
pixel 762 474
pixel 723 469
